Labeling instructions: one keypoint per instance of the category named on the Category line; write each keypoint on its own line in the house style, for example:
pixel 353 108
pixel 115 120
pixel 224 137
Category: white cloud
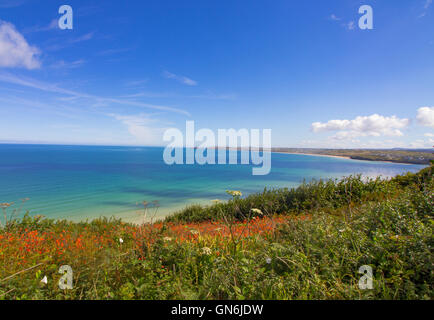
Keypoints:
pixel 374 125
pixel 334 18
pixel 425 116
pixel 14 49
pixel 429 135
pixel 181 79
pixel 142 128
pixel 418 144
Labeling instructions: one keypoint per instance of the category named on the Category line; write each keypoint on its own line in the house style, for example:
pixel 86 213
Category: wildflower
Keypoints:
pixel 44 280
pixel 194 231
pixel 206 251
pixel 6 204
pixel 167 239
pixel 215 201
pixel 268 260
pixel 234 193
pixel 121 240
pixel 257 211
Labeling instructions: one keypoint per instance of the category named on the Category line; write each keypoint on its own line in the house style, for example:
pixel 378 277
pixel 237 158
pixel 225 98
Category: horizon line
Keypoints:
pixel 162 146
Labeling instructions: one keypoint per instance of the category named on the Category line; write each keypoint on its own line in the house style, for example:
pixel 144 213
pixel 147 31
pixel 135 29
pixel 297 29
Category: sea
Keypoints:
pixel 80 183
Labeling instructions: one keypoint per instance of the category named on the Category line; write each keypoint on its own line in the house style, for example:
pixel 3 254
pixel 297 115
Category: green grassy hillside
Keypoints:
pixel 304 243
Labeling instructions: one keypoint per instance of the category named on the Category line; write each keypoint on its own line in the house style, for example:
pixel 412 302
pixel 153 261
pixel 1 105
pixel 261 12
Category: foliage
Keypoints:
pixel 304 243
pixel 327 195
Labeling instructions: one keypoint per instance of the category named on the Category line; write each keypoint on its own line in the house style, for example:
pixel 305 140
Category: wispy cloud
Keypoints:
pixel 113 51
pixel 206 95
pixel 181 79
pixel 89 10
pixel 61 64
pixel 347 25
pixel 350 25
pixel 47 87
pixel 11 3
pixel 54 108
pixel 426 6
pixel 31 83
pixel 136 83
pixel 334 17
pixel 64 44
pixel 85 37
pixel 145 129
pixel 14 49
pixel 53 25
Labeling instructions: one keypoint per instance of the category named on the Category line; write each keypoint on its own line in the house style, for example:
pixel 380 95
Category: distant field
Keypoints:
pixel 422 156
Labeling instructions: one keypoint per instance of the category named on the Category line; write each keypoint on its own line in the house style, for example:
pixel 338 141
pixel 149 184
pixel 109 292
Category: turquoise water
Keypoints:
pixel 81 182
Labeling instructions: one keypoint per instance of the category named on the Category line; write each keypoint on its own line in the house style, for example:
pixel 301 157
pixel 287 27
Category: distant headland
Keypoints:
pixel 411 156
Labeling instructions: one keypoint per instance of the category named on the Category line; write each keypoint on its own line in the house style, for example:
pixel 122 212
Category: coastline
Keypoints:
pixel 348 158
pixel 316 155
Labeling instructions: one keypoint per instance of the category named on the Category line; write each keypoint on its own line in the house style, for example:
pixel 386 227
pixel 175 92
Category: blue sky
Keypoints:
pixel 128 70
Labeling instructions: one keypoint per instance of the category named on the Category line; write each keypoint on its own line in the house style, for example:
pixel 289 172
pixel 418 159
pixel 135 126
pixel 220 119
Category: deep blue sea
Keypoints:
pixel 84 182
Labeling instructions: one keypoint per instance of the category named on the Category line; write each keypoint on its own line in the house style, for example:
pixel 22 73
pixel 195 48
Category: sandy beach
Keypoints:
pixel 314 154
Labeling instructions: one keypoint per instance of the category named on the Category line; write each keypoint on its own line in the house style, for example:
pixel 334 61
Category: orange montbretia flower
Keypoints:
pixel 192 231
pixel 25 247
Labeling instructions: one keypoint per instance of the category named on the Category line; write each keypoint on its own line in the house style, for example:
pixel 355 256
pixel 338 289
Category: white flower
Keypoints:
pixel 234 193
pixel 194 231
pixel 121 240
pixel 167 238
pixel 206 251
pixel 44 280
pixel 257 211
pixel 268 260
